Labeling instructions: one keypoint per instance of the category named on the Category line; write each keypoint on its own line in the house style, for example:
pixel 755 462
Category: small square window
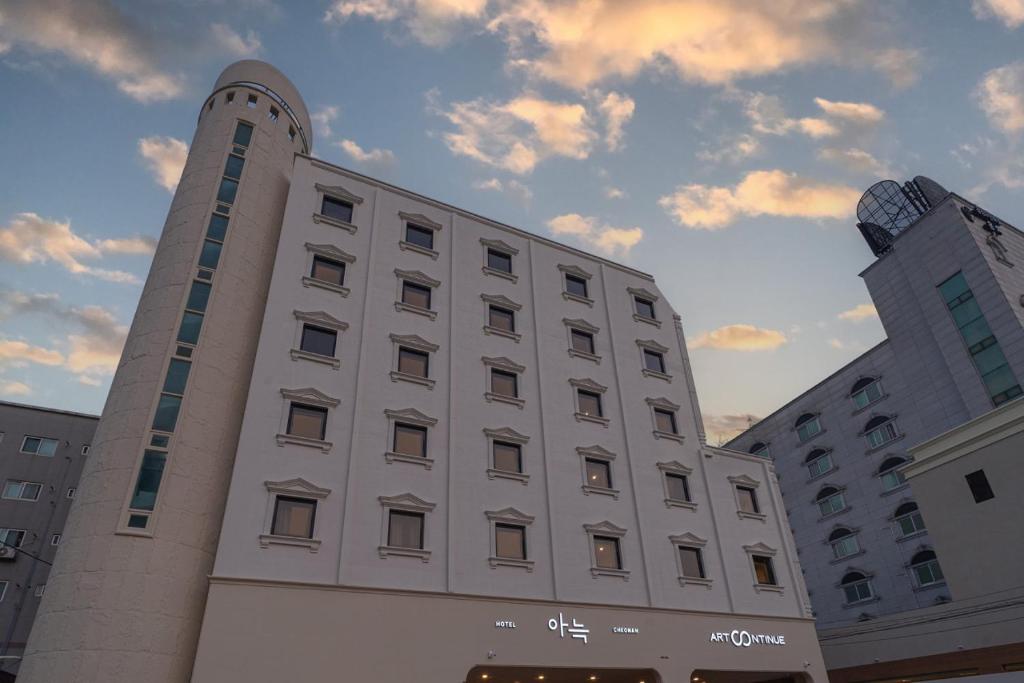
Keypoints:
pixel 328 270
pixel 413 362
pixel 576 285
pixel 764 571
pixel 980 488
pixel 228 190
pixel 508 457
pixel 582 342
pixel 166 416
pixel 589 403
pixel 420 236
pixel 71 492
pixel 209 257
pixel 747 498
pixel 233 167
pixel 177 376
pixel 415 295
pixel 273 114
pixel 309 422
pixel 510 541
pixel 198 297
pixel 405 529
pixel 504 383
pixel 692 562
pixel 86 447
pixel 499 260
pixel 599 473
pixel 191 323
pixel 243 132
pixel 338 209
pixel 293 517
pixel 218 227
pixel 665 421
pixel 606 553
pixel 501 318
pixel 654 361
pixel 291 134
pixel 678 487
pixel 138 521
pixel 229 98
pixel 251 103
pixel 55 539
pixel 410 440
pixel 318 340
pixel 644 307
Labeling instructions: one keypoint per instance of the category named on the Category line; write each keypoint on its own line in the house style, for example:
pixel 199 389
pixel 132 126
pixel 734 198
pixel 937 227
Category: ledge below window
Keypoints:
pixel 312 544
pixel 768 588
pixel 860 603
pixel 587 490
pixel 425 463
pixel 336 222
pixel 397 376
pixel 509 562
pixel 658 434
pixel 419 310
pixel 299 354
pixel 511 277
pixel 908 537
pixel 583 354
pixel 883 446
pixel 601 571
pixel 409 246
pixel 743 514
pixel 657 375
pixel 386 551
pixel 644 319
pixel 505 474
pixel 514 336
pixel 695 581
pixel 501 398
pixel 320 284
pixel 577 298
pixel 673 503
pixel 324 446
pixel 583 417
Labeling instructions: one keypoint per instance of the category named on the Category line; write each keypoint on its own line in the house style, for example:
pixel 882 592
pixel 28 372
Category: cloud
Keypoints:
pixel 142 245
pixel 900 65
pixel 767 115
pixel 373 157
pixel 614 193
pixel 995 162
pixel 1001 96
pixel 233 43
pixel 1010 12
pixel 773 193
pixel 30 238
pixel 856 160
pixel 165 158
pixel 855 112
pixel 516 135
pixel 97 349
pixel 723 428
pixel 739 337
pixel 95 34
pixel 511 187
pixel 605 239
pixel 13 388
pixel 432 22
pixel 617 111
pixel 322 119
pixel 859 313
pixel 20 352
pixel 734 150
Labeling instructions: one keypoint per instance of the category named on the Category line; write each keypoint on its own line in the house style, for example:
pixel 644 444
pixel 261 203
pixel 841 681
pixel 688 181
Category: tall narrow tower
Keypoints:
pixel 126 596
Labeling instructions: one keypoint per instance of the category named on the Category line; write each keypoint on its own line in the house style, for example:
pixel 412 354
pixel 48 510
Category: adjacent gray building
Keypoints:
pixel 42 452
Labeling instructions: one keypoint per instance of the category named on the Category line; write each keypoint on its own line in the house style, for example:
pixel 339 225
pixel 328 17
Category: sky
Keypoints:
pixel 720 145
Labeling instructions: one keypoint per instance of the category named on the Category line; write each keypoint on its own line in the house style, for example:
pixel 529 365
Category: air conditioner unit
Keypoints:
pixel 7 552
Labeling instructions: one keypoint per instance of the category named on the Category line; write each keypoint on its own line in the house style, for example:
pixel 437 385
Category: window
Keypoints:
pixel 665 421
pixel 415 295
pixel 410 440
pixel 233 167
pixel 819 461
pixel 228 191
pixel 982 345
pixel 589 403
pixel 575 285
pixel 85 449
pixel 980 488
pixel 880 430
pixel 499 261
pixel 198 297
pixel 229 98
pixel 505 454
pixel 251 103
pixel 243 131
pixel 925 567
pixel 747 498
pixel 413 362
pixel 830 500
pixel 177 376
pixel 908 520
pixel 293 517
pixel 599 473
pixel 760 449
pixel 889 474
pixel 691 561
pixel 807 427
pixel 40 589
pixel 308 422
pixel 507 457
pixel 15 489
pixel 12 538
pixel 328 270
pixel 318 340
pixel 71 493
pixel 654 361
pixel 147 485
pixel 865 391
pixel 510 541
pixel 55 539
pixel 644 308
pixel 501 318
pixel 606 553
pixel 582 342
pixel 335 208
pixel 291 134
pixel 209 257
pixel 856 588
pixel 191 323
pixel 3 590
pixel 218 227
pixel 420 236
pixel 844 543
pixel 39 446
pixel 678 487
pixel 504 383
pixel 405 529
pixel 764 571
pixel 273 114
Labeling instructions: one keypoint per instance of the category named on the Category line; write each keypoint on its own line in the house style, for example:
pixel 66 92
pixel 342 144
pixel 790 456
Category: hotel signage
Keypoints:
pixel 575 630
pixel 746 638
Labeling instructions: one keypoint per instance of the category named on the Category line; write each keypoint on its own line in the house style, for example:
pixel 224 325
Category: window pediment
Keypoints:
pixel 662 403
pixel 595 452
pixel 688 539
pixel 412 416
pixel 675 467
pixel 499 245
pixel 581 324
pixel 651 345
pixel 330 251
pixel 420 220
pixel 760 549
pixel 588 384
pixel 744 480
pixel 503 301
pixel 503 363
pixel 507 434
pixel 414 341
pixel 642 293
pixel 322 318
pixel 605 528
pixel 509 515
pixel 311 396
pixel 339 192
pixel 417 277
pixel 297 485
pixel 408 502
pixel 574 270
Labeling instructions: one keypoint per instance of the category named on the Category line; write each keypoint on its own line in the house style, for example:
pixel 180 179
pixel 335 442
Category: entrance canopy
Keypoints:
pixel 529 674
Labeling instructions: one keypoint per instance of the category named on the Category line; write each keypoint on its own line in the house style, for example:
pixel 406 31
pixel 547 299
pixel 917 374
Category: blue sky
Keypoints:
pixel 720 146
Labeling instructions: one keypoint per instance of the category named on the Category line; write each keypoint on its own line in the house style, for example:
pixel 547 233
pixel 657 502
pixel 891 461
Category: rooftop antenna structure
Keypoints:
pixel 888 208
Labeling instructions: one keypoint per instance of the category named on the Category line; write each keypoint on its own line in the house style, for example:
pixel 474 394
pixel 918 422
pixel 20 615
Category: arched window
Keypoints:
pixel 807 426
pixel 865 391
pixel 844 543
pixel 908 520
pixel 891 477
pixel 760 448
pixel 830 500
pixel 926 568
pixel 856 587
pixel 819 461
pixel 880 430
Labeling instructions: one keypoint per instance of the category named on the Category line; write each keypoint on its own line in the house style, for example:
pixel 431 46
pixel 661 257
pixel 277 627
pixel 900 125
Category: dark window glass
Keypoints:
pixel 148 483
pixel 582 341
pixel 502 319
pixel 504 383
pixel 177 376
pixel 748 499
pixel 421 237
pixel 229 98
pixel 508 457
pixel 198 296
pixel 293 517
pixel 307 421
pixel 654 361
pixel 210 255
pixel 644 308
pixel 218 227
pixel 510 541
pixel 678 487
pixel 318 340
pixel 665 420
pixel 337 208
pixel 590 403
pixel 191 323
pixel 166 413
pixel 252 102
pixel 764 570
pixel 233 168
pixel 273 114
pixel 228 190
pixel 980 488
pixel 411 440
pixel 405 529
pixel 693 563
pixel 606 553
pixel 576 285
pixel 327 270
pixel 499 261
pixel 413 362
pixel 138 521
pixel 243 133
pixel 415 295
pixel 599 473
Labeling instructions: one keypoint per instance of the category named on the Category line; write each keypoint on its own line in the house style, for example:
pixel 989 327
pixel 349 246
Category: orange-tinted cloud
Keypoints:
pixel 740 337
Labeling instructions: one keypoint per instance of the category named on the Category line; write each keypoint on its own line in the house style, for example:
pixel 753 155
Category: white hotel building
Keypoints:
pixel 359 434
